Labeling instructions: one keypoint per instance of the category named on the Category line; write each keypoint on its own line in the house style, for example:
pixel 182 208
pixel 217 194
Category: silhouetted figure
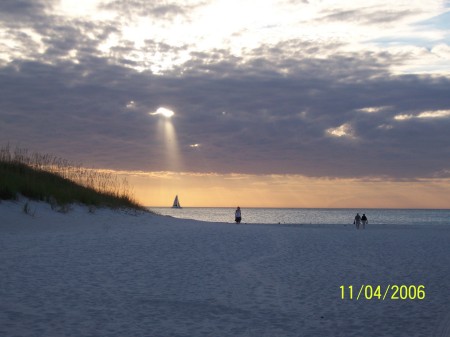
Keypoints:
pixel 237 215
pixel 364 221
pixel 357 220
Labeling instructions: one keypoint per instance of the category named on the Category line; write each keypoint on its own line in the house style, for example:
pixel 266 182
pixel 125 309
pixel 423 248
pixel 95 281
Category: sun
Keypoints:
pixel 163 111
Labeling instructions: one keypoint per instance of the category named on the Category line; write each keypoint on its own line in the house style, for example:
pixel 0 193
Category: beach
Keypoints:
pixel 127 273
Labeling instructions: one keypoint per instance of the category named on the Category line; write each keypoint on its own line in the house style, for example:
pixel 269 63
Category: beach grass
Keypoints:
pixel 58 182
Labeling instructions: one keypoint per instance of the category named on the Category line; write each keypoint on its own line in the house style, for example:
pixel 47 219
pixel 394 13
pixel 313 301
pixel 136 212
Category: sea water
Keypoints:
pixel 311 215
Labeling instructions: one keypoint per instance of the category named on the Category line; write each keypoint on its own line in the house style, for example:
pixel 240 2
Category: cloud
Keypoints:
pixel 295 106
pixel 274 123
pixel 425 114
pixel 157 9
pixel 11 10
pixel 369 15
pixel 345 131
pixel 374 109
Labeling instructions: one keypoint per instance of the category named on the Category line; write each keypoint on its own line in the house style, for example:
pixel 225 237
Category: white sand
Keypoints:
pixel 116 274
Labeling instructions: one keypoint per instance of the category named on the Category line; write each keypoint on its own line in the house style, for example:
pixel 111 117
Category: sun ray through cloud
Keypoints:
pixel 166 128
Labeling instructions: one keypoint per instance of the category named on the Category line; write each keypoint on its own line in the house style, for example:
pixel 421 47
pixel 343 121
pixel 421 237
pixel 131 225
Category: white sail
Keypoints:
pixel 176 203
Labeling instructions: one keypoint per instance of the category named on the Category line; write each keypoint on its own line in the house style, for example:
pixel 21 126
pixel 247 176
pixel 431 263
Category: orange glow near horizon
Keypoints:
pixel 158 189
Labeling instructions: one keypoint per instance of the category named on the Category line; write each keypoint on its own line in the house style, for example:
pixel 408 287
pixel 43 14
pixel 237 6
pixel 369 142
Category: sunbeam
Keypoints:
pixel 167 131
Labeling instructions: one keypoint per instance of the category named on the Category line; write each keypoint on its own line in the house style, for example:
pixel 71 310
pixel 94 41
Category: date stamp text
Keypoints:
pixel 382 293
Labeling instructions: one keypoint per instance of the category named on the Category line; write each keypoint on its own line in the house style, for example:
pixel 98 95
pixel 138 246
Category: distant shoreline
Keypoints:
pixel 342 216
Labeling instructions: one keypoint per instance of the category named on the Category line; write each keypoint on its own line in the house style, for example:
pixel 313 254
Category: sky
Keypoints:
pixel 276 103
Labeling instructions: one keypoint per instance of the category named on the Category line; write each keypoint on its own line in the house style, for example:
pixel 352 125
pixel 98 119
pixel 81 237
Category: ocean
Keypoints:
pixel 311 215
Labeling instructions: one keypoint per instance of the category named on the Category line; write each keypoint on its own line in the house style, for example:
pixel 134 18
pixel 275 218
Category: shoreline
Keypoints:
pixel 308 208
pixel 311 216
pixel 41 209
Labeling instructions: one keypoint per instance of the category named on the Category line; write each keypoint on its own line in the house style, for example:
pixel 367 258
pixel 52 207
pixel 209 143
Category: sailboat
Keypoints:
pixel 176 203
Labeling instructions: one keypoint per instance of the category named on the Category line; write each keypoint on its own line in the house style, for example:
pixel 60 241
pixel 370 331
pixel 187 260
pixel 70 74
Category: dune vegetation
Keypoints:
pixel 55 180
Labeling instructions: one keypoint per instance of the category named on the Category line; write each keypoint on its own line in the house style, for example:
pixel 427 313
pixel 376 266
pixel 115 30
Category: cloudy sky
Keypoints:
pixel 269 96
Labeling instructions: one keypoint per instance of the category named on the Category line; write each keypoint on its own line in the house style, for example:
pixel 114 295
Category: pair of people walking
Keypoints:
pixel 360 220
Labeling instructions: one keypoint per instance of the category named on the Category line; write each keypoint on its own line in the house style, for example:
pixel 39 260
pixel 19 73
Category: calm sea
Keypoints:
pixel 311 215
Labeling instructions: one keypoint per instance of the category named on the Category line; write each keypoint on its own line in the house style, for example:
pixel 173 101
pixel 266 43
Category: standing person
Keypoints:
pixel 237 215
pixel 364 221
pixel 357 220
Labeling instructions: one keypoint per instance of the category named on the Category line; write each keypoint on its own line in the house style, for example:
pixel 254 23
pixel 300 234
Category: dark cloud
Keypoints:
pixel 18 11
pixel 264 112
pixel 244 122
pixel 58 35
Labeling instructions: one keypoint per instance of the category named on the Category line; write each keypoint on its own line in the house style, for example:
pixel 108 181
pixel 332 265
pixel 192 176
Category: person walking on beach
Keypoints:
pixel 357 220
pixel 364 221
pixel 237 215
